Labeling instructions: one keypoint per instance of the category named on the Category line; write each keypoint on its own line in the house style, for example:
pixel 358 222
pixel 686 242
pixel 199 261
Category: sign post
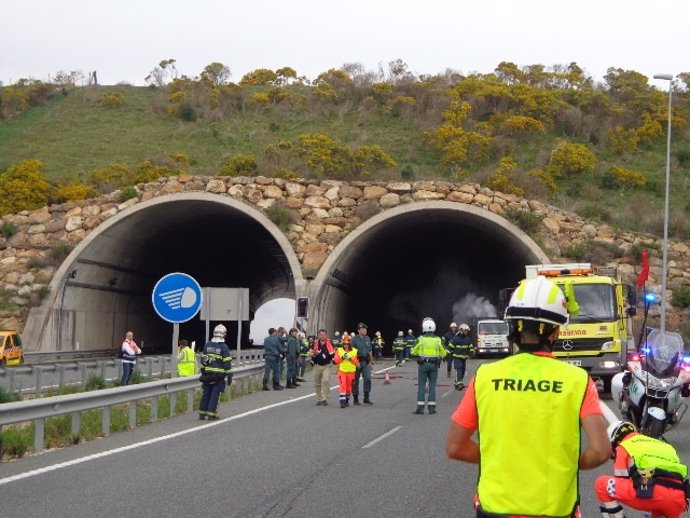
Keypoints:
pixel 176 298
pixel 226 305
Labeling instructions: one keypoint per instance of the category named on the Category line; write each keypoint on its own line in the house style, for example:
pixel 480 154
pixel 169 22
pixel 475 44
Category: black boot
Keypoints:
pixel 277 386
pixel 265 386
pixel 355 400
pixel 294 383
pixel 342 402
pixel 367 401
pixel 289 384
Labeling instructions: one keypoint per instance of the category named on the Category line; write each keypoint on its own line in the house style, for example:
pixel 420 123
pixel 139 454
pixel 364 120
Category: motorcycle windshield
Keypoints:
pixel 663 354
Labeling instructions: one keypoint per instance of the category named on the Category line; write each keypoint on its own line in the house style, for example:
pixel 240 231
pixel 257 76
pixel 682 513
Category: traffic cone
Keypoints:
pixel 387 381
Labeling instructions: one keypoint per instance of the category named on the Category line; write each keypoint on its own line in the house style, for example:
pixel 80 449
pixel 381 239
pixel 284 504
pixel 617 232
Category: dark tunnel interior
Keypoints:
pixel 446 264
pixel 218 245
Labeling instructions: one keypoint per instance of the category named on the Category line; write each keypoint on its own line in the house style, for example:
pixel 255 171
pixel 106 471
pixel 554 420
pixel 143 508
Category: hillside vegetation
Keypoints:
pixel 548 133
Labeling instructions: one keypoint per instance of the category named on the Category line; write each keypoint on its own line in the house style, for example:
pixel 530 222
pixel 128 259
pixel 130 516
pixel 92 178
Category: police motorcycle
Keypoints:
pixel 649 391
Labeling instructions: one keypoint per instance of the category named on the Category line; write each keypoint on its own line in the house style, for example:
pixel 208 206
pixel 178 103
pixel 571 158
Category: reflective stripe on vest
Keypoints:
pixel 186 366
pixel 347 365
pixel 649 453
pixel 529 429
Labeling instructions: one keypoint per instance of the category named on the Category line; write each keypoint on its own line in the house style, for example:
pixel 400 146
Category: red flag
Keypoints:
pixel 644 272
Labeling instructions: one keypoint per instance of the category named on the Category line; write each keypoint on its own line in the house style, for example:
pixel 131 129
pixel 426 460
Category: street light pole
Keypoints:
pixel 664 261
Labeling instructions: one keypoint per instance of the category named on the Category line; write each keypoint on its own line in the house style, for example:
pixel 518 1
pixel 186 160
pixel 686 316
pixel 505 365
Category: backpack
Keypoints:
pixel 118 352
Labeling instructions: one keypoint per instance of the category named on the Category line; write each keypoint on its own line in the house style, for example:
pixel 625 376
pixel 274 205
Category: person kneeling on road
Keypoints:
pixel 647 476
pixel 216 365
pixel 347 361
pixel 429 352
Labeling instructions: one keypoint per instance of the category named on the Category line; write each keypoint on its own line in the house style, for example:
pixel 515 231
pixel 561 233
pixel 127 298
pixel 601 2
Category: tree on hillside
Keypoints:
pixel 162 74
pixel 216 73
pixel 285 75
pixel 258 77
pixel 398 71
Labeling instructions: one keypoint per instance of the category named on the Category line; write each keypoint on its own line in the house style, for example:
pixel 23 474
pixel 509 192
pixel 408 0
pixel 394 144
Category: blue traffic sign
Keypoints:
pixel 176 297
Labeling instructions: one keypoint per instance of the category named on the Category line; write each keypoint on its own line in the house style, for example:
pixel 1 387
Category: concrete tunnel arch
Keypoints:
pixel 104 286
pixel 420 259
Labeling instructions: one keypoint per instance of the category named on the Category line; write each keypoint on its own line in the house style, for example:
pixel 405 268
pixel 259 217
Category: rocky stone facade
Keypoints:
pixel 323 213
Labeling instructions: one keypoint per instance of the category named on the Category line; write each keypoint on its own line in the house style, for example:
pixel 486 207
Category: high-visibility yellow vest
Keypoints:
pixel 429 346
pixel 651 455
pixel 347 365
pixel 187 365
pixel 529 435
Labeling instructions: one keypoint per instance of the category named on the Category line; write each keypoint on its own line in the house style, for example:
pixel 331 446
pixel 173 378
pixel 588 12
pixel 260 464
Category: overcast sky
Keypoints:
pixel 123 40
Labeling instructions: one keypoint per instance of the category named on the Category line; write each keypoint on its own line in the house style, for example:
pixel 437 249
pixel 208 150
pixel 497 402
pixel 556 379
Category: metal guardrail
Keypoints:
pixel 38 410
pixel 60 356
pixel 34 379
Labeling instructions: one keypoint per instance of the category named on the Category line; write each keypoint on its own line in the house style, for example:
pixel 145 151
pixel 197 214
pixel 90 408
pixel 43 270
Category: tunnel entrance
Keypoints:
pixel 439 259
pixel 104 288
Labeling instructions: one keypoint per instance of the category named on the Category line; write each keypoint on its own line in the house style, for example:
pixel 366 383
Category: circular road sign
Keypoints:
pixel 176 297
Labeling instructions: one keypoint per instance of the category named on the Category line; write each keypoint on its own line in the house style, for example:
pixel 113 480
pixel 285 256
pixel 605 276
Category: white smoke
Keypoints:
pixel 473 306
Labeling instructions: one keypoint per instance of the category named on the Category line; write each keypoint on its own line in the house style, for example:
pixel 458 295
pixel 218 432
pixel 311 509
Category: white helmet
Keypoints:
pixel 220 331
pixel 453 324
pixel 618 430
pixel 464 327
pixel 377 333
pixel 409 331
pixel 428 325
pixel 538 300
pixel 400 333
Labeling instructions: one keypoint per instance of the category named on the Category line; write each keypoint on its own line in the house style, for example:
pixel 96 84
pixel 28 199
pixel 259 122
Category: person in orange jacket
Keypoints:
pixel 347 362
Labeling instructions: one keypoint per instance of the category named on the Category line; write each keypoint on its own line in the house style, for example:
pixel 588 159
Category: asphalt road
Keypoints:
pixel 273 454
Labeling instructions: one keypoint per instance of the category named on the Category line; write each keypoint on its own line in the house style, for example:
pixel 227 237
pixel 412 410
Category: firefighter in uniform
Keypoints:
pixel 410 341
pixel 216 366
pixel 447 338
pixel 186 360
pixel 461 347
pixel 647 476
pixel 379 344
pixel 429 352
pixel 399 349
pixel 522 408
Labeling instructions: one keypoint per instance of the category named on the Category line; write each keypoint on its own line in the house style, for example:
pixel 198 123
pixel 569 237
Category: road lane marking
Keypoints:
pixel 609 414
pixel 382 437
pixel 108 453
pixel 447 393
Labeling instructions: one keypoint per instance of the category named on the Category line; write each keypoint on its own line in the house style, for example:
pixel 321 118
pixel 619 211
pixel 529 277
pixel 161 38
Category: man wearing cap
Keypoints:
pixel 291 354
pixel 362 343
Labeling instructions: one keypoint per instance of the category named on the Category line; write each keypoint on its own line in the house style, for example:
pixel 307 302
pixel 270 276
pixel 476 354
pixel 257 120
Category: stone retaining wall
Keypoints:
pixel 324 212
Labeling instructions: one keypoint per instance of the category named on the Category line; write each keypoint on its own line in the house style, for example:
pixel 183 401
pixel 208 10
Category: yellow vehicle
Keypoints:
pixel 11 352
pixel 599 336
